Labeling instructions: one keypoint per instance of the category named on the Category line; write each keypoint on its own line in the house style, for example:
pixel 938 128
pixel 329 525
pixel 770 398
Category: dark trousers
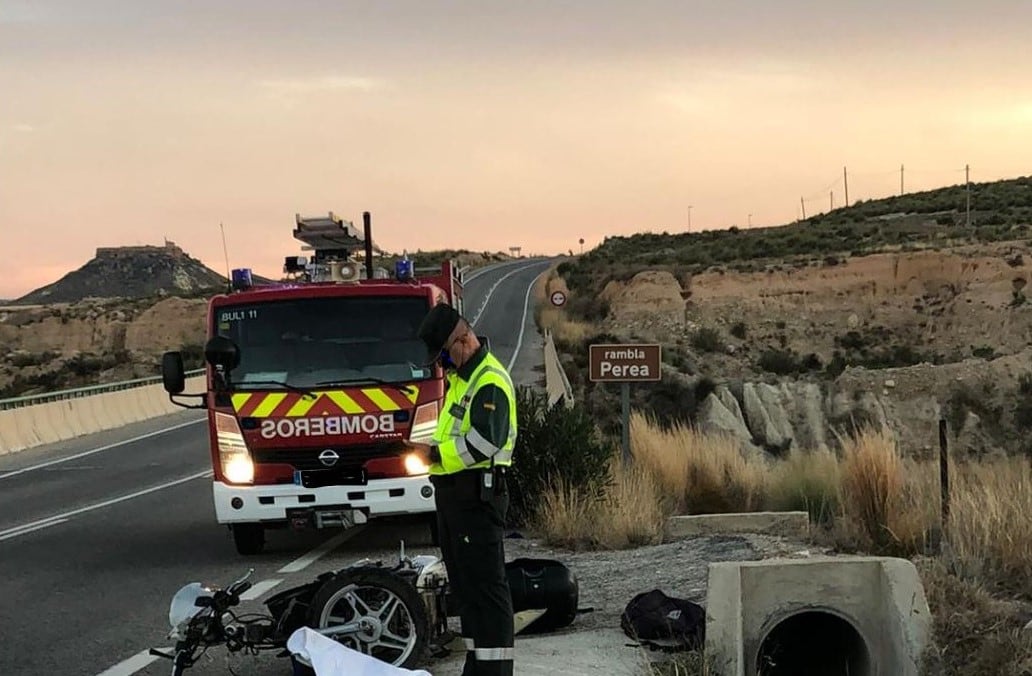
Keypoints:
pixel 471 528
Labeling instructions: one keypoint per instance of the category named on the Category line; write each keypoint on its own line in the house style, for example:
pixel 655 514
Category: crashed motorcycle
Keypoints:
pixel 396 614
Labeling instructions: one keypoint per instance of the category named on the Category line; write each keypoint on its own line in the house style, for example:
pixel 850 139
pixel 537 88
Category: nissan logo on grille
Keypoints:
pixel 329 457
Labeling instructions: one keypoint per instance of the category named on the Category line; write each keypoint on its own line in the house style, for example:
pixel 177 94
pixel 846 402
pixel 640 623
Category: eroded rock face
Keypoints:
pixel 796 414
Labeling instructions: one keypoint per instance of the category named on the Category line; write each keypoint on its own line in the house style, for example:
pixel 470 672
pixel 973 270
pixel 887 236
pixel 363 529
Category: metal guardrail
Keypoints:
pixel 557 385
pixel 75 393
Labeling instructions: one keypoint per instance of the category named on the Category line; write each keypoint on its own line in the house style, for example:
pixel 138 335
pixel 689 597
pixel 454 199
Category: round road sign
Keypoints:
pixel 558 298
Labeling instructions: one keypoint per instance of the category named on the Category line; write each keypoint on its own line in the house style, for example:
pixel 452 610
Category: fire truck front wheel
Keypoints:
pixel 248 537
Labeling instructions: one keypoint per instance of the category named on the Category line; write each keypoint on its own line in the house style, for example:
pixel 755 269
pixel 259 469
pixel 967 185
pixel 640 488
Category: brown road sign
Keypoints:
pixel 624 363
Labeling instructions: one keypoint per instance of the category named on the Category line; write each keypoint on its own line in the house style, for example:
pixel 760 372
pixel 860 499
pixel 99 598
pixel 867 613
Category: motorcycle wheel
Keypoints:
pixel 399 628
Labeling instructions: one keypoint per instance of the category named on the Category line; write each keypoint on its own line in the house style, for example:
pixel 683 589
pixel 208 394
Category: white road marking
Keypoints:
pixel 42 523
pixel 98 450
pixel 258 589
pixel 24 530
pixel 490 292
pixel 523 323
pixel 130 666
pixel 311 557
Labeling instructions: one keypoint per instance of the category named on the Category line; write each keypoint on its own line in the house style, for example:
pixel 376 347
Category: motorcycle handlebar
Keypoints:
pixel 237 589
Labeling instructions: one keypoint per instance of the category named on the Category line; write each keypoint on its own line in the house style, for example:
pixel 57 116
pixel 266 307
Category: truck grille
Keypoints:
pixel 308 458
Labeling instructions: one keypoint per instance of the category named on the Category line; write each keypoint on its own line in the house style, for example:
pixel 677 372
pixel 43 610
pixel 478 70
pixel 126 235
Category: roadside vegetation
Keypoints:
pixel 864 495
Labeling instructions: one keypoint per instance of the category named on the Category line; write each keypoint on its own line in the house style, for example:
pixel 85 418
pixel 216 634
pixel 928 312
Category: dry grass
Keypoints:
pixel 807 481
pixel 990 530
pixel 887 503
pixel 869 497
pixel 627 513
pixel 698 473
pixel 975 634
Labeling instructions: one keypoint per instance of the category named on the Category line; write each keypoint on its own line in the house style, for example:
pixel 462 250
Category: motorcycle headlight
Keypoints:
pixel 184 608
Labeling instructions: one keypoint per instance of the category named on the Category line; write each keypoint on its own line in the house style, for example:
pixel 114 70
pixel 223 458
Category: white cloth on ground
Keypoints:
pixel 330 658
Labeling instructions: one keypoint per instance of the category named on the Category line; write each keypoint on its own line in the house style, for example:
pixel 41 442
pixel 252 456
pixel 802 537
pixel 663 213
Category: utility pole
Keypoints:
pixel 750 220
pixel 845 182
pixel 802 203
pixel 967 181
pixel 689 218
pixel 901 179
pixel 831 201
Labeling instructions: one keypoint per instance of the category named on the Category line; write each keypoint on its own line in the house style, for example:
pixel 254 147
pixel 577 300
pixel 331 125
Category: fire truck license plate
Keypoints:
pixel 318 478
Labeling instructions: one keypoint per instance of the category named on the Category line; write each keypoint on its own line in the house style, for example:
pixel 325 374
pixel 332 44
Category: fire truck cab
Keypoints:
pixel 317 385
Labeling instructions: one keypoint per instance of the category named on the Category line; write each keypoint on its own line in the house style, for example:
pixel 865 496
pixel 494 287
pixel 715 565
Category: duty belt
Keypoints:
pixel 466 475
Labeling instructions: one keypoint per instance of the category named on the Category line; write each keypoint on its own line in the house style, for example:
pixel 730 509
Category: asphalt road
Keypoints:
pixel 98 533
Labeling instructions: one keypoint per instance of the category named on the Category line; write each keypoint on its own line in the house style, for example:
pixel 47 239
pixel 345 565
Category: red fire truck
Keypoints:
pixel 316 386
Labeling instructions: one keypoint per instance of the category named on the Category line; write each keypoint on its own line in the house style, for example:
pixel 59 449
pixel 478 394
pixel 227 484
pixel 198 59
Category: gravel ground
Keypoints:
pixel 610 579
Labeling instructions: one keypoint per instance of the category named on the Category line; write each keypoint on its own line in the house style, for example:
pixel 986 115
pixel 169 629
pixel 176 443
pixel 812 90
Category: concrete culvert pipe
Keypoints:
pixel 814 643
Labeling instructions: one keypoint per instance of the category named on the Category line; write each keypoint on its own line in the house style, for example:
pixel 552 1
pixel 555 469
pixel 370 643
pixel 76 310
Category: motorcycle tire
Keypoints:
pixel 381 580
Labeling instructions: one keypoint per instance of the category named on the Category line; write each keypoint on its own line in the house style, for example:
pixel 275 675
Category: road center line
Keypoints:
pixel 49 463
pixel 259 588
pixel 130 666
pixel 25 530
pixel 523 322
pixel 42 523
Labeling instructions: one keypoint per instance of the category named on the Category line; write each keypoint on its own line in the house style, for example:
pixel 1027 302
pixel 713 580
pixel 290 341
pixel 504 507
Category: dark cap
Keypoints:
pixel 437 326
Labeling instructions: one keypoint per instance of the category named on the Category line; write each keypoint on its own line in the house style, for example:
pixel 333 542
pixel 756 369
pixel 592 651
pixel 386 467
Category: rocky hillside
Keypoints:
pixel 785 347
pixel 47 348
pixel 130 272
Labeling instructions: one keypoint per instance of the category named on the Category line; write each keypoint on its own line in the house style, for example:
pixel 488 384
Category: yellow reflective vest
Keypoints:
pixel 455 431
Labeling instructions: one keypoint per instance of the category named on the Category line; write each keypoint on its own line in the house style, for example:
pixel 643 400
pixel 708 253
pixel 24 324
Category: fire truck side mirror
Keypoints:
pixel 173 376
pixel 221 351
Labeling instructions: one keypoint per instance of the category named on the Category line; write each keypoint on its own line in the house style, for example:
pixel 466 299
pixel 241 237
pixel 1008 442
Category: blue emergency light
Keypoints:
pixel 403 269
pixel 242 279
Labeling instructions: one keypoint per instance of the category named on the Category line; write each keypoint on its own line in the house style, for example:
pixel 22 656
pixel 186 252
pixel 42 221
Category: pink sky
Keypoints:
pixel 482 124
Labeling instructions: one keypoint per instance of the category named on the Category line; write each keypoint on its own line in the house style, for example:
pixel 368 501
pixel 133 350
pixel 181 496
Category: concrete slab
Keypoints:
pixel 788 524
pixel 579 653
pixel 862 616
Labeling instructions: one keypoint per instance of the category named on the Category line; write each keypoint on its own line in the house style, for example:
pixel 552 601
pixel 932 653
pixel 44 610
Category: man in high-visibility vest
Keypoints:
pixel 472 447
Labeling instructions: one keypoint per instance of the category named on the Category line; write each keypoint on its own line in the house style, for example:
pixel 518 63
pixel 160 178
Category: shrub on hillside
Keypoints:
pixel 554 444
pixel 707 339
pixel 787 362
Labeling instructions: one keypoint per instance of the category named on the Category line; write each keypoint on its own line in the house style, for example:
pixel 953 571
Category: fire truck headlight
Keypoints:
pixel 238 468
pixel 414 465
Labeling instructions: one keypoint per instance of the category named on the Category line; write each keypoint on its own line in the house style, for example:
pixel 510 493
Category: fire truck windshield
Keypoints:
pixel 305 341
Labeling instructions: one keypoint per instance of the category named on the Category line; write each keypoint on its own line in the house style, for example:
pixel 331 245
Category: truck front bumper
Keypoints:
pixel 279 503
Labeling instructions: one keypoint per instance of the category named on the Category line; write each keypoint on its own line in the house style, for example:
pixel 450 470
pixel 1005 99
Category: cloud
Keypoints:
pixel 325 83
pixel 24 128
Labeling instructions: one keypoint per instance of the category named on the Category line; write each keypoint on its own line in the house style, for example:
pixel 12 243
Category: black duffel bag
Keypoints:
pixel 543 584
pixel 665 622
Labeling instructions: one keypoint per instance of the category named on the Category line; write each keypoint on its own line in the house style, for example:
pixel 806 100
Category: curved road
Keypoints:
pixel 97 533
